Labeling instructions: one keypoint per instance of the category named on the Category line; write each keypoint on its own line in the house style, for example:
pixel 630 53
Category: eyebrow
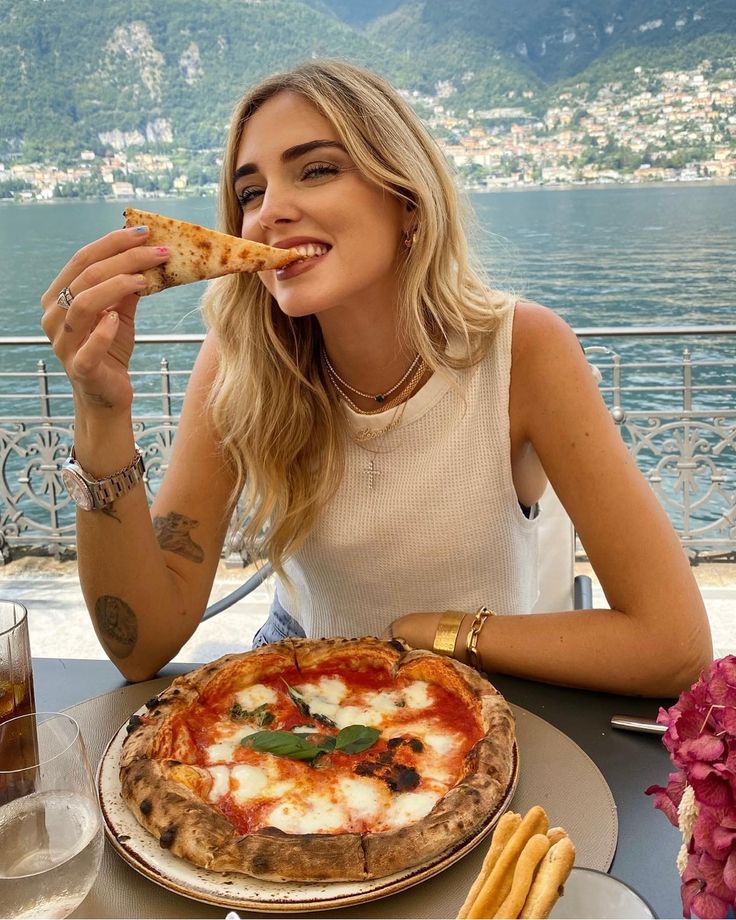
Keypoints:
pixel 291 153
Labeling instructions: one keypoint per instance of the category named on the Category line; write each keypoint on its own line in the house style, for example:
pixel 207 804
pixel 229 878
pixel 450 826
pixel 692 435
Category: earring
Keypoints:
pixel 410 237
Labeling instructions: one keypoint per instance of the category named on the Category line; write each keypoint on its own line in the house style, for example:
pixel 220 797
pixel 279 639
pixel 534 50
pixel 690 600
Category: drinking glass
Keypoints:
pixel 51 836
pixel 16 677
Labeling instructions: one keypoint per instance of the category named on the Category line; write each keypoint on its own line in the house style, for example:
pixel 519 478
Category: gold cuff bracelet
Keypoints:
pixel 446 635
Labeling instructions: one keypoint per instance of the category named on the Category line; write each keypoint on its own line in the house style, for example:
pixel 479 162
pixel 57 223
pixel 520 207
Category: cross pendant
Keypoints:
pixel 372 473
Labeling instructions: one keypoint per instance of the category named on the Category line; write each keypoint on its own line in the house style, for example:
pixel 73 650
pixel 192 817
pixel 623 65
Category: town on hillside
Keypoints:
pixel 668 126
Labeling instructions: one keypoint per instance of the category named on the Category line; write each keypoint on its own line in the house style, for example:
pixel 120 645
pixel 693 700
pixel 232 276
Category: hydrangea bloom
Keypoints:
pixel 701 740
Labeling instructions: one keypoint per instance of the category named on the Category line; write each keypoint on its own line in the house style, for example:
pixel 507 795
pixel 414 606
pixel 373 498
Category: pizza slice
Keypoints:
pixel 198 253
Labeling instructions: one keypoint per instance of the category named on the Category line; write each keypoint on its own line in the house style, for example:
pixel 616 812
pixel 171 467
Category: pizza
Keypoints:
pixel 316 760
pixel 198 254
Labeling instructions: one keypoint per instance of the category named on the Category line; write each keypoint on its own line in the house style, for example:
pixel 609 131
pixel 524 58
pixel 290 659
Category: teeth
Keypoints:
pixel 311 249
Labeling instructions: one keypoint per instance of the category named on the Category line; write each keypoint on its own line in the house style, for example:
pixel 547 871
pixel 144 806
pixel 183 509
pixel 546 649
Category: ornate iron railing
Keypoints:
pixel 670 390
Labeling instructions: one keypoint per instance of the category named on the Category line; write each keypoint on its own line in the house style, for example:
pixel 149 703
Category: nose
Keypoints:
pixel 278 207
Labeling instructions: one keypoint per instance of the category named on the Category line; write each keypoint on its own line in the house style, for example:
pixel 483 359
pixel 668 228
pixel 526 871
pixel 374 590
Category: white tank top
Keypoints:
pixel 426 517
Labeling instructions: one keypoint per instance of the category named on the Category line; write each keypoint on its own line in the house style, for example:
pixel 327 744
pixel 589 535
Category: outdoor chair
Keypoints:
pixel 559 588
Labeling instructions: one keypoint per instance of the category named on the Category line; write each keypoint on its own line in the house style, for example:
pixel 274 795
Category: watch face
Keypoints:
pixel 78 490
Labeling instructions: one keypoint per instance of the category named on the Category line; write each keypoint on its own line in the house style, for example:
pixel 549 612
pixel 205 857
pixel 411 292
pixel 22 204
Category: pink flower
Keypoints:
pixel 701 740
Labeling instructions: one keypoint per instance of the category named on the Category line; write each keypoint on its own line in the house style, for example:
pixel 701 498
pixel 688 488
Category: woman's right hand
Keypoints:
pixel 95 336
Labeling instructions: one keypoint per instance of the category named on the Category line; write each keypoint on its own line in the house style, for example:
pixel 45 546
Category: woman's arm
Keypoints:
pixel 655 639
pixel 146 575
pixel 145 583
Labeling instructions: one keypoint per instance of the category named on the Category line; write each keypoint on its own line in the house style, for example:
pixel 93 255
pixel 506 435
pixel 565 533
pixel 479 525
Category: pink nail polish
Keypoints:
pixel 163 250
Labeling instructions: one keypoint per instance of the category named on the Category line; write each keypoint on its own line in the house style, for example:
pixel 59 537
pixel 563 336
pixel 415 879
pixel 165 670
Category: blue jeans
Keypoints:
pixel 279 625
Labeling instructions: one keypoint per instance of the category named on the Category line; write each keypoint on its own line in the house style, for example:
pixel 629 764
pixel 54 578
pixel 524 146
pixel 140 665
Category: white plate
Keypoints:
pixel 142 851
pixel 592 894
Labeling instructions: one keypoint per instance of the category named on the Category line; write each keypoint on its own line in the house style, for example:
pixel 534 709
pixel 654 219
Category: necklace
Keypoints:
pixel 400 397
pixel 377 397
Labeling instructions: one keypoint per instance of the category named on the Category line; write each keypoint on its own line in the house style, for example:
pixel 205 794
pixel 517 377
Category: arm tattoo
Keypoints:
pixel 109 511
pixel 98 399
pixel 117 625
pixel 173 534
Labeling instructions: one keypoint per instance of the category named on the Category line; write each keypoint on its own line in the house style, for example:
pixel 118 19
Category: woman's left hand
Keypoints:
pixel 416 629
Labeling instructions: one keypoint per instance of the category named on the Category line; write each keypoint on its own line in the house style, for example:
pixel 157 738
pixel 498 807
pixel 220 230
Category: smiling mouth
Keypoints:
pixel 308 250
pixel 311 253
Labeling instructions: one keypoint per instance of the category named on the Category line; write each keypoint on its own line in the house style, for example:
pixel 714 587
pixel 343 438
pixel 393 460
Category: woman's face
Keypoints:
pixel 298 187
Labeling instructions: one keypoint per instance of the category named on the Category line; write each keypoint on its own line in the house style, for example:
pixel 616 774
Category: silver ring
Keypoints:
pixel 65 298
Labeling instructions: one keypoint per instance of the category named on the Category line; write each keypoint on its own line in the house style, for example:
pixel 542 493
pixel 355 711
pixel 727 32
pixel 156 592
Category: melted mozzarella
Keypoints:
pixel 221 782
pixel 416 695
pixel 442 742
pixel 325 696
pixel 257 695
pixel 408 807
pixel 224 749
pixel 312 814
pixel 357 715
pixel 365 798
pixel 386 701
pixel 250 782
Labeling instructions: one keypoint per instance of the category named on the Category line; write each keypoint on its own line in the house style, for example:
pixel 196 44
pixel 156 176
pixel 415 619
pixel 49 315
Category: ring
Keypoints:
pixel 65 298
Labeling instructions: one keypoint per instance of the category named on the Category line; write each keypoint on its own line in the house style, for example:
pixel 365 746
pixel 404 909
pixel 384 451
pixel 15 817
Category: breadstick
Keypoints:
pixel 532 854
pixel 506 826
pixel 498 884
pixel 551 875
pixel 555 834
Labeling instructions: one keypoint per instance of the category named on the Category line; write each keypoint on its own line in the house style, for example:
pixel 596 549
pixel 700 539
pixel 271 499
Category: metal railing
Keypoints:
pixel 671 391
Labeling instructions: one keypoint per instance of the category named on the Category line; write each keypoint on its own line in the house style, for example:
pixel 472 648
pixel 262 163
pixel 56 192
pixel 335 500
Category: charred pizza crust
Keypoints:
pixel 160 787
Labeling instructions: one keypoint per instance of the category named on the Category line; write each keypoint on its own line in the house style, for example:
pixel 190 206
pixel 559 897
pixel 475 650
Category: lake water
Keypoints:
pixel 610 256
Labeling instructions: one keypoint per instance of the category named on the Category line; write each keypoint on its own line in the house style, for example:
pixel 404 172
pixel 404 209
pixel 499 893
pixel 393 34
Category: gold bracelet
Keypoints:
pixel 471 643
pixel 446 635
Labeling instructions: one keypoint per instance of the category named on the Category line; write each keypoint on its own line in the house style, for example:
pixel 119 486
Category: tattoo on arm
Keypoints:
pixel 109 511
pixel 173 532
pixel 117 625
pixel 98 399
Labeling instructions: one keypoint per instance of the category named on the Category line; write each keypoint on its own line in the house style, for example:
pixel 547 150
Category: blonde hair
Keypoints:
pixel 280 423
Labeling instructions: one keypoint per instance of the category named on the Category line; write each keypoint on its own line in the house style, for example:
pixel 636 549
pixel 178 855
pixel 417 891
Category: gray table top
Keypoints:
pixel 630 762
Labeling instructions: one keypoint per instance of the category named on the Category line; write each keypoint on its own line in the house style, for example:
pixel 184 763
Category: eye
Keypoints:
pixel 320 170
pixel 247 195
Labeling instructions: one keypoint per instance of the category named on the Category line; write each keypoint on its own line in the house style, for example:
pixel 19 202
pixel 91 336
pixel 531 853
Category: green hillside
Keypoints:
pixel 78 74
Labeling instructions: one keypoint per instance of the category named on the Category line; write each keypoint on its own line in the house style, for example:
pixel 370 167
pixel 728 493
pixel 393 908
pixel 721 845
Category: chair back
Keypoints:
pixel 556 554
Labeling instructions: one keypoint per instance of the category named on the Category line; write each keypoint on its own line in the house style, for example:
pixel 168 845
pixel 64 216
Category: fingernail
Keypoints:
pixel 141 228
pixel 112 317
pixel 163 250
pixel 140 281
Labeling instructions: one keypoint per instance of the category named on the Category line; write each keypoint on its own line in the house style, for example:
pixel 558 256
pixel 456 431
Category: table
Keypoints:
pixel 630 762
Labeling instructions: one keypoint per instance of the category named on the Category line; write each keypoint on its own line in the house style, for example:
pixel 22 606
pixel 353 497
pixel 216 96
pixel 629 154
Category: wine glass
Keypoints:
pixel 51 836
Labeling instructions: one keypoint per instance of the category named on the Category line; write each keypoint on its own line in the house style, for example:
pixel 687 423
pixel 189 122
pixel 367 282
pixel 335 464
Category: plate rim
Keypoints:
pixel 385 885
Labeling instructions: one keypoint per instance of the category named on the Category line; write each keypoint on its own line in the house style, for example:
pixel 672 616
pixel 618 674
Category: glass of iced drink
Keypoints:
pixel 51 837
pixel 16 691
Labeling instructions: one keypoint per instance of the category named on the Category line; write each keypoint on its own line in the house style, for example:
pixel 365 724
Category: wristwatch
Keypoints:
pixel 91 494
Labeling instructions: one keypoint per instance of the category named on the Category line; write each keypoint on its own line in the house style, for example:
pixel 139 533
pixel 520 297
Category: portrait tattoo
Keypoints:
pixel 173 534
pixel 117 625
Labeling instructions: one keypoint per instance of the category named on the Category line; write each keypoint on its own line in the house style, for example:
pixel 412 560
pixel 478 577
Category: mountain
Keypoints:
pixel 78 74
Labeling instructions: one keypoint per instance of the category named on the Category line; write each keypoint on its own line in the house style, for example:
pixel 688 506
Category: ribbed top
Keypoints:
pixel 426 517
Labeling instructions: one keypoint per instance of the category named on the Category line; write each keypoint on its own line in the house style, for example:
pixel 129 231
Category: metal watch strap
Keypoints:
pixel 105 491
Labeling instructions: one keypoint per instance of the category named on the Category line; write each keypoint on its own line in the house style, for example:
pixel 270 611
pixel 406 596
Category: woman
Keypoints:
pixel 392 421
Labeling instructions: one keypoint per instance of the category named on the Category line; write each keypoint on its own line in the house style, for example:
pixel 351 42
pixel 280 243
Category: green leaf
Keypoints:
pixel 282 744
pixel 356 738
pixel 299 701
pixel 260 715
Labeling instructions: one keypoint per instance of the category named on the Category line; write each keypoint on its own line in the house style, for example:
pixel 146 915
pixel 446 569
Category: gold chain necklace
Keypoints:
pixel 376 397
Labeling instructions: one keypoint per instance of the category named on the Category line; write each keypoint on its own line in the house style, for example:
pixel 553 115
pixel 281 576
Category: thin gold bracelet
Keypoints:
pixel 446 635
pixel 471 643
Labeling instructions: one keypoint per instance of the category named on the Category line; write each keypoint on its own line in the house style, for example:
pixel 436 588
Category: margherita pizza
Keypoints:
pixel 198 253
pixel 312 760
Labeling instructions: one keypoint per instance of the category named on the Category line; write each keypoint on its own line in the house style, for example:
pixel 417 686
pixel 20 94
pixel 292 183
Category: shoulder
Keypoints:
pixel 536 327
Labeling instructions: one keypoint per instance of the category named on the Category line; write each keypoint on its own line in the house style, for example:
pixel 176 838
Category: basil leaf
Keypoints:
pixel 299 701
pixel 328 743
pixel 260 715
pixel 282 744
pixel 237 712
pixel 356 738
